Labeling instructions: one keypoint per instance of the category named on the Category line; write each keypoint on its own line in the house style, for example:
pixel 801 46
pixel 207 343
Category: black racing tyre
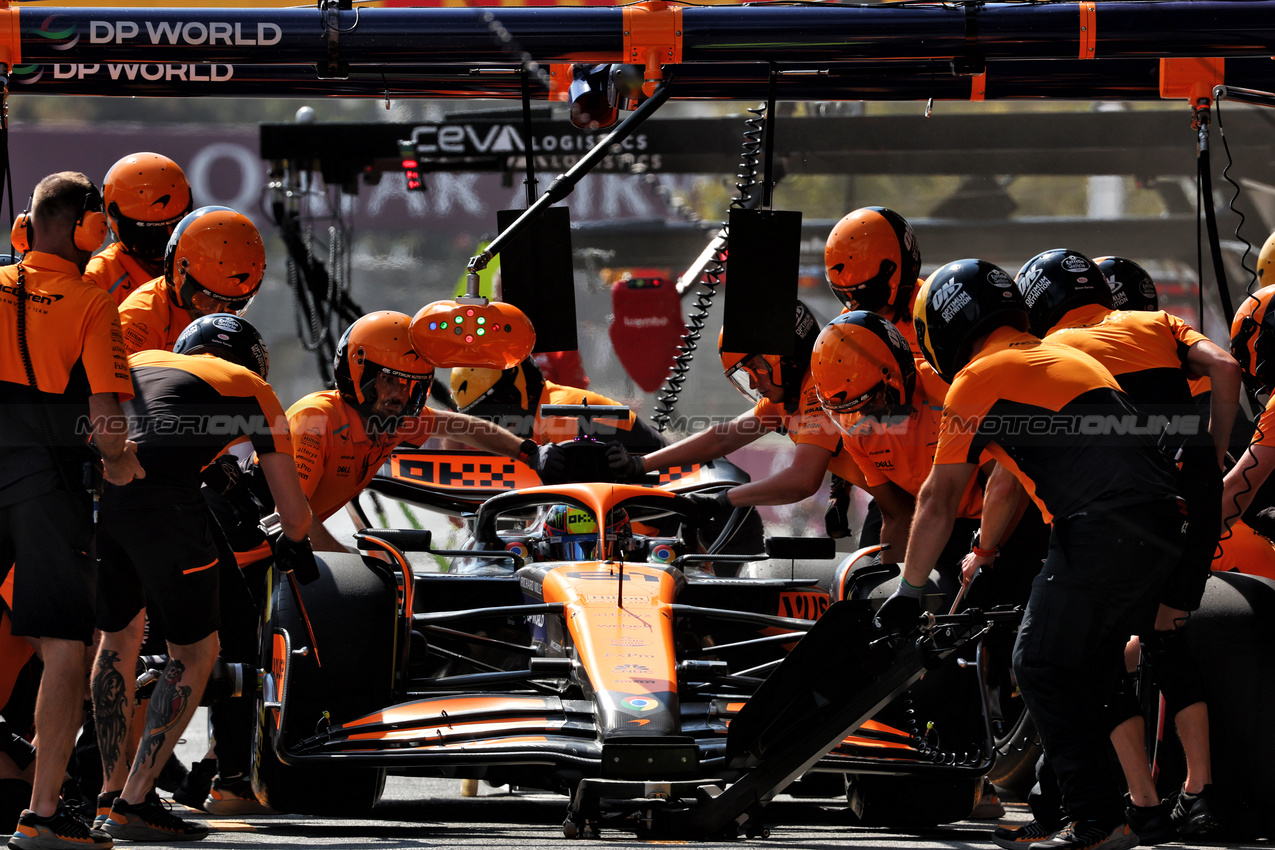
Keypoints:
pixel 912 801
pixel 1234 647
pixel 1016 755
pixel 352 611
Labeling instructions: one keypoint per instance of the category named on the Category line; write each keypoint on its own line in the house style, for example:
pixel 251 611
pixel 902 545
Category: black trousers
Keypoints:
pixel 1101 583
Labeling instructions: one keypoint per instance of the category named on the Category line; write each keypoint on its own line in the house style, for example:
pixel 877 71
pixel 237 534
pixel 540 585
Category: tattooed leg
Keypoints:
pixel 112 688
pixel 175 698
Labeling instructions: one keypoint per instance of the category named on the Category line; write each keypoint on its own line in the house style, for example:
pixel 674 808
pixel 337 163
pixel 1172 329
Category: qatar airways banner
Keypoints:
pixel 224 167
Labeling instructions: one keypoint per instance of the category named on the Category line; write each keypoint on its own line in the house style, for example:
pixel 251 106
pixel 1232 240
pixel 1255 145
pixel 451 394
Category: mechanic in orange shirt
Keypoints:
pixel 1112 500
pixel 62 367
pixel 214 263
pixel 1151 355
pixel 785 401
pixel 514 397
pixel 146 195
pixel 162 555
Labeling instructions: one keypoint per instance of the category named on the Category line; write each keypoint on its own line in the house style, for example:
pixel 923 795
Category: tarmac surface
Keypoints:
pixel 417 812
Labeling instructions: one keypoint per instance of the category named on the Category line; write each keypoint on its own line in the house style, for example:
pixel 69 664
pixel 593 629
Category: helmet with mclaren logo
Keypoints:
pixel 1253 338
pixel 228 337
pixel 787 371
pixel 508 396
pixel 379 343
pixel 571 534
pixel 1058 280
pixel 872 260
pixel 857 356
pixel 218 252
pixel 146 195
pixel 1131 287
pixel 960 302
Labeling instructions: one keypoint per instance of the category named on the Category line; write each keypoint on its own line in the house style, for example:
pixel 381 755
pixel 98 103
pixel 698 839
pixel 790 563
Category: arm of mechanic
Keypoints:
pixel 476 433
pixel 289 499
pixel 800 479
pixel 110 435
pixel 1004 501
pixel 932 524
pixel 1242 482
pixel 709 444
pixel 1207 358
pixel 897 507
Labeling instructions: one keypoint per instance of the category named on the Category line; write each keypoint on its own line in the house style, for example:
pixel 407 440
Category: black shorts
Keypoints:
pixel 49 541
pixel 158 551
pixel 1200 482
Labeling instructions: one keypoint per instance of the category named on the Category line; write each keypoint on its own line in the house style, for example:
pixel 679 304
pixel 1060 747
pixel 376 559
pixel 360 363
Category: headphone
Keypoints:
pixel 91 226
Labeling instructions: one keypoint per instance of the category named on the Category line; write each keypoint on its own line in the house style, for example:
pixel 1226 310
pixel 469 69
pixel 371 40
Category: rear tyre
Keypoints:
pixel 352 610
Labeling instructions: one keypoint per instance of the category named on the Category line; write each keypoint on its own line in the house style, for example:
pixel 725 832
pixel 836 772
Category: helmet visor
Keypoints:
pixel 146 240
pixel 855 405
pixel 225 303
pixel 746 374
pixel 572 547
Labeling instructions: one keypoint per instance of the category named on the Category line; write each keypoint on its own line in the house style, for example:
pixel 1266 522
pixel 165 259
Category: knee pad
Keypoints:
pixel 1122 704
pixel 1175 669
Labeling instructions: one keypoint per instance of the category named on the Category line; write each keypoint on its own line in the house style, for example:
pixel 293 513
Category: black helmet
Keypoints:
pixel 960 302
pixel 1131 287
pixel 787 370
pixel 1058 280
pixel 228 337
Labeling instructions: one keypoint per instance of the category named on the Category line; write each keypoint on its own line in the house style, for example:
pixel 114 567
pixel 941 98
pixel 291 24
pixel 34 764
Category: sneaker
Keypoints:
pixel 104 801
pixel 1192 814
pixel 1153 824
pixel 1090 835
pixel 234 797
pixel 150 820
pixel 1027 835
pixel 61 831
pixel 989 806
pixel 198 782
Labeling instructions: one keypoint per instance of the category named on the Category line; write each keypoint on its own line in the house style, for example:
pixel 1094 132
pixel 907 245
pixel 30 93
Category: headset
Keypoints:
pixel 90 227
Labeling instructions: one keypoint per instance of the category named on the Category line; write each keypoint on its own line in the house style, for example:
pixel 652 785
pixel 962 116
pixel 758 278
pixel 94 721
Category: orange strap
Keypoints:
pixel 978 86
pixel 10 36
pixel 652 36
pixel 559 82
pixel 1088 29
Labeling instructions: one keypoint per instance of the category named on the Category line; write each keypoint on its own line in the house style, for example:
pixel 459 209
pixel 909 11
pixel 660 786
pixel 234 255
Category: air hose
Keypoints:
pixel 709 277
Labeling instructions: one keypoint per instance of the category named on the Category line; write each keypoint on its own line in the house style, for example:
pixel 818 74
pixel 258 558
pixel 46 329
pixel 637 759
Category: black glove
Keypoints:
pixel 900 612
pixel 296 557
pixel 548 461
pixel 712 505
pixel 836 519
pixel 626 467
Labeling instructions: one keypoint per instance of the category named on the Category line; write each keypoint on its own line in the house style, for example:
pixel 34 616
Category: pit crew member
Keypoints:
pixel 160 552
pixel 1151 355
pixel 1111 498
pixel 62 366
pixel 146 195
pixel 213 263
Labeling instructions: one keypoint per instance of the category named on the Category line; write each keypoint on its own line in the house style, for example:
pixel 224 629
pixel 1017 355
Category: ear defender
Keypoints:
pixel 91 227
pixel 20 235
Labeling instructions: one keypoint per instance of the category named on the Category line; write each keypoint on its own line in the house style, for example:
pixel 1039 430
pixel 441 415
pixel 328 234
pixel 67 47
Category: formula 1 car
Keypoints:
pixel 615 666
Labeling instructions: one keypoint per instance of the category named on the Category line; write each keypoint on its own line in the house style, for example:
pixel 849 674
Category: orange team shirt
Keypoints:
pixel 76 349
pixel 900 450
pixel 178 388
pixel 810 425
pixel 1044 411
pixel 150 319
pixel 336 458
pixel 560 429
pixel 116 272
pixel 935 387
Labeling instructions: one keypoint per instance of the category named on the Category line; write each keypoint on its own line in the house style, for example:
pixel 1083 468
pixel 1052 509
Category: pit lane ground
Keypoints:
pixel 418 812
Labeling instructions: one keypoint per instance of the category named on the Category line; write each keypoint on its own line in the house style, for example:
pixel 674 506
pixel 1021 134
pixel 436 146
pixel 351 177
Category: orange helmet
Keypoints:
pixel 786 371
pixel 146 195
pixel 857 355
pixel 872 260
pixel 216 251
pixel 379 342
pixel 1253 338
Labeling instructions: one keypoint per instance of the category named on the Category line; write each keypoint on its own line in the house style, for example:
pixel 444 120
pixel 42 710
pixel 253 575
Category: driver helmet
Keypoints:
pixel 571 534
pixel 376 343
pixel 858 355
pixel 872 260
pixel 1059 280
pixel 229 337
pixel 218 252
pixel 146 195
pixel 1131 287
pixel 509 397
pixel 787 371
